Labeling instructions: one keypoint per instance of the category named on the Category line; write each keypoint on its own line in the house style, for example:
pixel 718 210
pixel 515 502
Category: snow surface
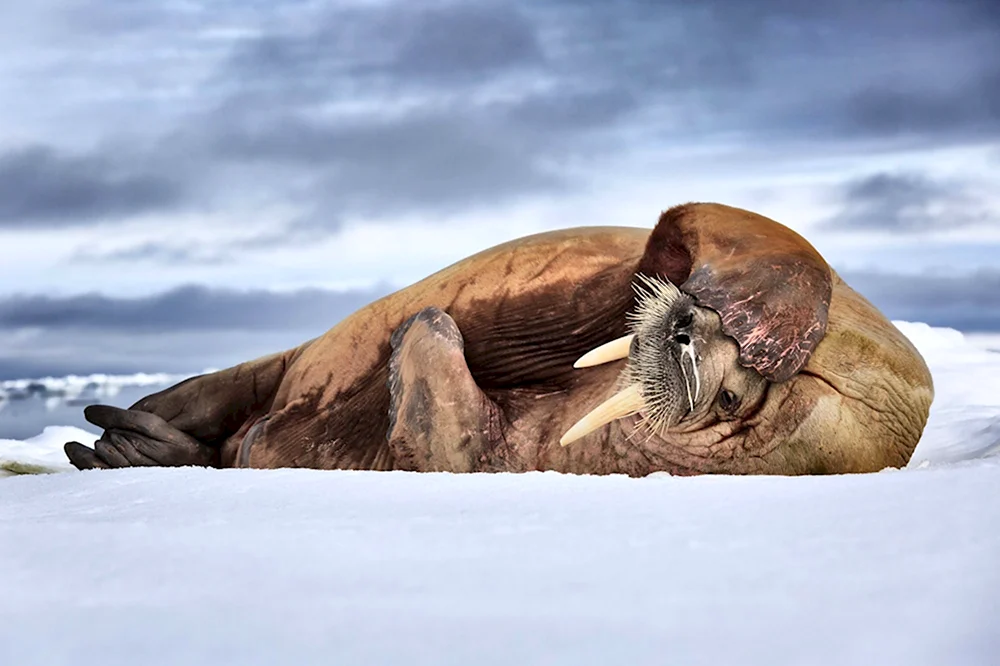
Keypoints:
pixel 42 453
pixel 193 566
pixel 190 566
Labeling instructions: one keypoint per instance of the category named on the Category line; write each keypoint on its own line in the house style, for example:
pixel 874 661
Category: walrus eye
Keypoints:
pixel 684 320
pixel 728 400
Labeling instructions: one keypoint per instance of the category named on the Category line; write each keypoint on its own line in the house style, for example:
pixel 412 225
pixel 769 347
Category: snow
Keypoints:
pixel 42 453
pixel 965 416
pixel 194 566
pixel 188 566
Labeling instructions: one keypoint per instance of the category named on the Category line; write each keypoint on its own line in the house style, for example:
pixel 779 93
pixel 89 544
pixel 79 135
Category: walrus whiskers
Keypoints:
pixel 656 297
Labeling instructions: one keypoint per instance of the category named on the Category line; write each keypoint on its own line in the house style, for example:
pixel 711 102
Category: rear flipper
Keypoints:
pixel 133 439
pixel 439 418
pixel 187 424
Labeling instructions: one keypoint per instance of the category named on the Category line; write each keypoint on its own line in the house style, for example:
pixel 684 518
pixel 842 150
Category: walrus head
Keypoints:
pixel 682 370
pixel 745 352
pixel 752 304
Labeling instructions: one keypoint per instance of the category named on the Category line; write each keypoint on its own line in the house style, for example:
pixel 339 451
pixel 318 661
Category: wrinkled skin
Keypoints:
pixel 472 368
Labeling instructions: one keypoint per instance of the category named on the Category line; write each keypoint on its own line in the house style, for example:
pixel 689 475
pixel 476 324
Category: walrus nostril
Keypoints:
pixel 682 339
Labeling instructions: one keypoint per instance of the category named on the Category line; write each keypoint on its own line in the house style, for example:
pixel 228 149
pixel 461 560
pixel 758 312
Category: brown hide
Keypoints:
pixel 526 309
pixel 769 285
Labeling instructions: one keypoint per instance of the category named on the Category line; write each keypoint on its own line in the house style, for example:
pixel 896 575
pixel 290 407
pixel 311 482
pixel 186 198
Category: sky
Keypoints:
pixel 188 185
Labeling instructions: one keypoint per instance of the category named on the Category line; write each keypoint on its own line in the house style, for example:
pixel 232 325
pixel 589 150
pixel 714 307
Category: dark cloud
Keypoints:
pixel 465 41
pixel 970 107
pixel 967 302
pixel 77 358
pixel 190 308
pixel 391 46
pixel 543 117
pixel 60 352
pixel 179 331
pixel 453 145
pixel 300 232
pixel 430 135
pixel 779 71
pixel 377 166
pixel 157 252
pixel 793 73
pixel 42 187
pixel 907 202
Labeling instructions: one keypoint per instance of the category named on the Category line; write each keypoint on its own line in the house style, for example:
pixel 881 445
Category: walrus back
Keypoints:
pixel 526 309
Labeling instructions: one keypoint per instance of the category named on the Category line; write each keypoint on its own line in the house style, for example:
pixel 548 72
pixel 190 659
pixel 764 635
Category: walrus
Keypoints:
pixel 719 341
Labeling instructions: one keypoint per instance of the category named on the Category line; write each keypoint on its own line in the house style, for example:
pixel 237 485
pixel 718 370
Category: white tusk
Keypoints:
pixel 687 380
pixel 620 405
pixel 611 351
pixel 688 350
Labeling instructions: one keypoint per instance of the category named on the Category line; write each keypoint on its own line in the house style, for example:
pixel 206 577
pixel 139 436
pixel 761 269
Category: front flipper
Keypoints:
pixel 439 418
pixel 138 439
pixel 199 421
